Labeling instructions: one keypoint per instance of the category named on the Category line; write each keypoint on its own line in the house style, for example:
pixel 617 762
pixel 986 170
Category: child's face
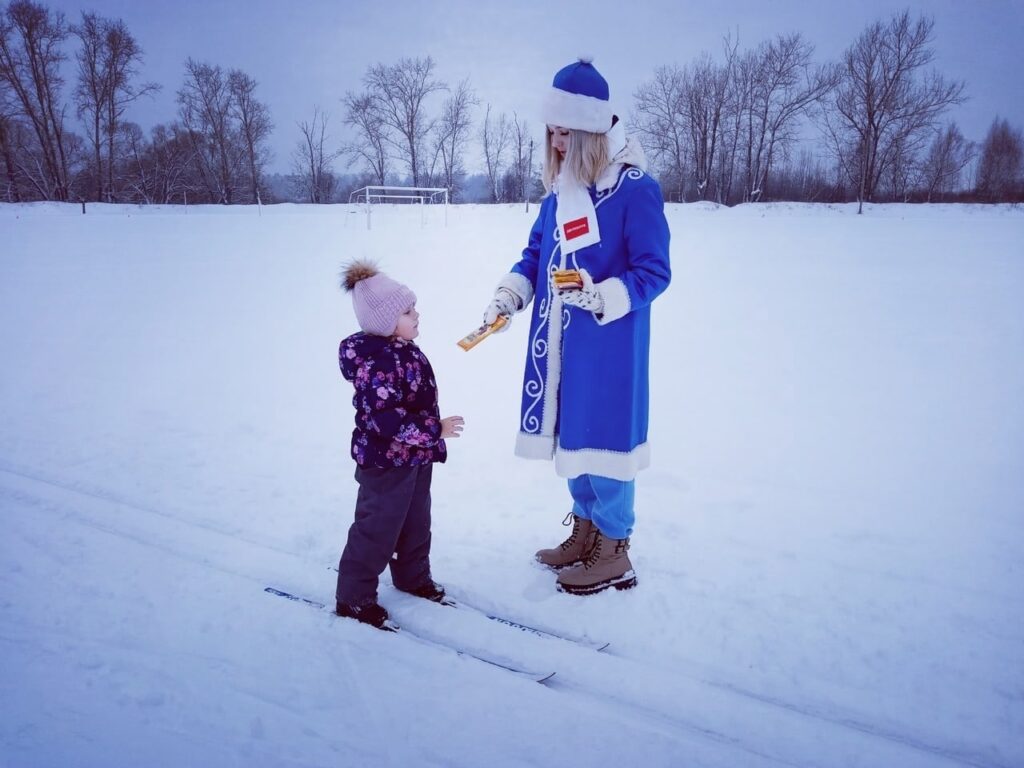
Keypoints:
pixel 408 324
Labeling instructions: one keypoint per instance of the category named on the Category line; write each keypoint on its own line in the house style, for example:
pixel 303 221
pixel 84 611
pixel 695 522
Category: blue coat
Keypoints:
pixel 585 387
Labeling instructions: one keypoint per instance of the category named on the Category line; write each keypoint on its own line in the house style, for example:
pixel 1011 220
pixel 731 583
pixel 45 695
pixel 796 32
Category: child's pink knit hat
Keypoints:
pixel 377 299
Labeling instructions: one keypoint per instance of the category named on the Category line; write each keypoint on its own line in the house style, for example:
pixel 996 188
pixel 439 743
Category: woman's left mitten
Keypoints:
pixel 587 297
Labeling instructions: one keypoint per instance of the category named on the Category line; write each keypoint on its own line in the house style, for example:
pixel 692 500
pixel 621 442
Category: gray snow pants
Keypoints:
pixel 392 526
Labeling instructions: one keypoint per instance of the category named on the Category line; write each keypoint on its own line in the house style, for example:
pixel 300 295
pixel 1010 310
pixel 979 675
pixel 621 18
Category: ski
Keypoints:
pixel 549 634
pixel 508 666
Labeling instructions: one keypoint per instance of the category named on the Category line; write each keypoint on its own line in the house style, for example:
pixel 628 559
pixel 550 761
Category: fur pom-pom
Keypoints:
pixel 356 271
pixel 585 59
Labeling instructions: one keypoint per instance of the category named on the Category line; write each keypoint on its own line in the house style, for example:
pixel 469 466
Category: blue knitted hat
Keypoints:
pixel 578 99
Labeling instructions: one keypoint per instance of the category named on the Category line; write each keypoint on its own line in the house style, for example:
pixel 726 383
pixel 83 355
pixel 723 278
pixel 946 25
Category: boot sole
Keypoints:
pixel 387 626
pixel 625 581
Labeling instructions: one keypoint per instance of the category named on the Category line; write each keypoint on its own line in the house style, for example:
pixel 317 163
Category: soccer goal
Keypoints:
pixel 417 195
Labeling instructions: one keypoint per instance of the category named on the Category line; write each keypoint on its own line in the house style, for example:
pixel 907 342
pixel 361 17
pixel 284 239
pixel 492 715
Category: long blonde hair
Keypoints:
pixel 585 158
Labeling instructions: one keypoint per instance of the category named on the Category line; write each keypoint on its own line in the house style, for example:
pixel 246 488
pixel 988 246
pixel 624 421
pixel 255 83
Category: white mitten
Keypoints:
pixel 504 303
pixel 587 297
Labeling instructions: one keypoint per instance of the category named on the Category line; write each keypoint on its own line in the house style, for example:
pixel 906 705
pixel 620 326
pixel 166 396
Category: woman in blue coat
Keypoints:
pixel 585 387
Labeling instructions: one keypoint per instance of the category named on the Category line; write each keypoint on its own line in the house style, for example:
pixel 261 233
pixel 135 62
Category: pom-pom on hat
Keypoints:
pixel 377 299
pixel 578 98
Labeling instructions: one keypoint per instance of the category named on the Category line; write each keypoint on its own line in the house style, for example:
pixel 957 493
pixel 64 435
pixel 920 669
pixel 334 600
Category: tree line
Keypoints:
pixel 214 152
pixel 745 125
pixel 733 129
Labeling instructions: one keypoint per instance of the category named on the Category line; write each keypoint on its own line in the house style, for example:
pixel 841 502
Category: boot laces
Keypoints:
pixel 595 553
pixel 575 531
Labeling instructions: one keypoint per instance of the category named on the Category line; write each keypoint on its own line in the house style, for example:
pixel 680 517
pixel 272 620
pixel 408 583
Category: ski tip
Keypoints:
pixel 545 678
pixel 293 598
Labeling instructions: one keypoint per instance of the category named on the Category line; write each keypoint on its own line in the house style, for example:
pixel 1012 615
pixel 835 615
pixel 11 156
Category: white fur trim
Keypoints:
pixel 616 138
pixel 616 300
pixel 519 285
pixel 554 374
pixel 574 110
pixel 535 446
pixel 608 178
pixel 614 464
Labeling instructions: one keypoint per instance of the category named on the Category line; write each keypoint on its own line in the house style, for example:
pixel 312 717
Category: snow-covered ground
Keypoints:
pixel 829 542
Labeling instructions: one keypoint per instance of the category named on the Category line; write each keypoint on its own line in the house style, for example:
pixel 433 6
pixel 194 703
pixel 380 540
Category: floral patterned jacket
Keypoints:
pixel 397 419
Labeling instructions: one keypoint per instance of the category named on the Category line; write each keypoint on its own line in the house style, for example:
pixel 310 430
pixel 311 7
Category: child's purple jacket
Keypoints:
pixel 398 423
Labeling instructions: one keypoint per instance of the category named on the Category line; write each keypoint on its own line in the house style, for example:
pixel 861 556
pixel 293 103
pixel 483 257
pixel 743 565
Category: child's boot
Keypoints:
pixel 367 613
pixel 573 549
pixel 606 565
pixel 430 591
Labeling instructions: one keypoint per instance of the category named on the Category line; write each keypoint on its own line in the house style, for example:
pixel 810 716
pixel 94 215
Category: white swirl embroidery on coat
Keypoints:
pixel 534 385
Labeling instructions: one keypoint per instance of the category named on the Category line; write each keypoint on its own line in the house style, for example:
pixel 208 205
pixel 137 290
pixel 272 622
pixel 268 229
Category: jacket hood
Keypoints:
pixel 357 348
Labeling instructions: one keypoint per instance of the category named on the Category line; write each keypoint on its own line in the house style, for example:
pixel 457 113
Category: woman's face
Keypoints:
pixel 408 324
pixel 559 139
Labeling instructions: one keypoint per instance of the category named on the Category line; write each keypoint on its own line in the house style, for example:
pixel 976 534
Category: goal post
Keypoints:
pixel 379 193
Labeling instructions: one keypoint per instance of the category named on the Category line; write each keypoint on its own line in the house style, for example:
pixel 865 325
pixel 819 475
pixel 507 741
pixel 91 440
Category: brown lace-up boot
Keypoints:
pixel 574 548
pixel 607 565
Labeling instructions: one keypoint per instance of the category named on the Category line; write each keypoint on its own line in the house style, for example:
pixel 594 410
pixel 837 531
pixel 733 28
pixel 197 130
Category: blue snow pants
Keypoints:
pixel 607 502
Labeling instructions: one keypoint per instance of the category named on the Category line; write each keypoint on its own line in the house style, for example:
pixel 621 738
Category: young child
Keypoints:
pixel 398 437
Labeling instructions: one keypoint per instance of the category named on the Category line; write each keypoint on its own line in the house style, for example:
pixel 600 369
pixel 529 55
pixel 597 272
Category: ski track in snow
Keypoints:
pixel 828 540
pixel 38 491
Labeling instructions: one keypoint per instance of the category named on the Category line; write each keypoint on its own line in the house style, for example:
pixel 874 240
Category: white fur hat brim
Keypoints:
pixel 574 110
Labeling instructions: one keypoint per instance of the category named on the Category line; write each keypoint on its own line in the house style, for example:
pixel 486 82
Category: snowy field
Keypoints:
pixel 829 544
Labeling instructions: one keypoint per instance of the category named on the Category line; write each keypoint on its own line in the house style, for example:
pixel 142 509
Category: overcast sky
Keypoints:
pixel 307 52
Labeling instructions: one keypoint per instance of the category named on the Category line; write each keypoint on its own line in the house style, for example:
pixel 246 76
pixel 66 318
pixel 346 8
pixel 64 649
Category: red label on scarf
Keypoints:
pixel 577 228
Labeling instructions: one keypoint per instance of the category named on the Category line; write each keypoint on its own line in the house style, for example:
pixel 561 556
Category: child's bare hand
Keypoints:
pixel 451 426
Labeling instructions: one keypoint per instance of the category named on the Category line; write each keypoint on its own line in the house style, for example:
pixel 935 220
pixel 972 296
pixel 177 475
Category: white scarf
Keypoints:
pixel 575 213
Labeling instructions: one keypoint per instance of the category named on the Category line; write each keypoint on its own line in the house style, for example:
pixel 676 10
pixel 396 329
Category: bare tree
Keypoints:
pixel 808 180
pixel 783 85
pixel 252 118
pixel 312 161
pixel 1002 161
pixel 25 176
pixel 138 183
pixel 495 138
pixel 734 99
pixel 124 55
pixel 659 120
pixel 11 187
pixel 451 133
pixel 372 140
pixel 205 107
pixel 92 89
pixel 8 128
pixel 173 162
pixel 30 61
pixel 884 102
pixel 107 62
pixel 399 92
pixel 706 94
pixel 520 171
